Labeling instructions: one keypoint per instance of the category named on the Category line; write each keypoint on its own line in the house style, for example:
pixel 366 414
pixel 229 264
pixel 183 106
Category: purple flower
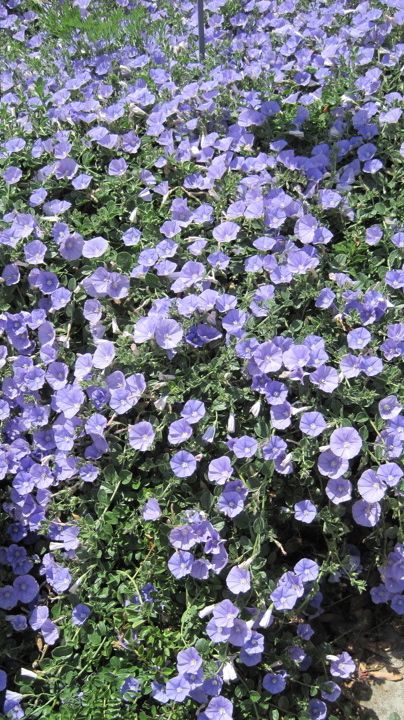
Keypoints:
pixel 326 378
pixel 371 487
pixel 178 688
pixel 330 465
pixel 141 436
pixel 193 411
pixel 3 680
pixel 338 490
pixel 180 563
pixel 307 570
pixel 345 443
pixel 117 167
pixel 330 691
pixel 358 338
pixel 82 181
pixel 244 447
pixel 178 432
pixel 17 622
pixel 397 604
pixel 151 510
pixel 220 470
pixel 219 708
pixel 104 354
pixel 390 474
pixel 305 511
pixel 373 235
pixel 95 247
pixel 130 685
pixel 342 665
pixel 325 298
pixel 38 617
pixel 230 503
pixel 274 683
pixel 8 597
pixel 305 631
pixel 12 175
pixel 188 661
pixel 69 400
pixel 226 232
pixel 312 423
pixel 168 334
pixel 26 588
pixel 389 407
pixel 80 614
pixel 317 709
pixel 183 464
pixel 238 580
pixel 366 514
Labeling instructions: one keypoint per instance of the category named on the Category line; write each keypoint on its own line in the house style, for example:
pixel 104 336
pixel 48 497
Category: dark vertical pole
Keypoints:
pixel 201 29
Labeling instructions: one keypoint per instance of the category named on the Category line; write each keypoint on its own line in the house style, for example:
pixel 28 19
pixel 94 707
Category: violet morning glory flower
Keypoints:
pixel 117 167
pixel 3 680
pixel 274 683
pixel 325 298
pixel 312 423
pixel 244 447
pixel 193 411
pixel 17 622
pixel 12 175
pixel 130 685
pixel 390 474
pixel 180 563
pixel 330 465
pixel 342 665
pixel 219 708
pixel 151 510
pixel 389 407
pixel 141 436
pixel 238 580
pixel 80 614
pixel 220 470
pixel 317 709
pixel 230 504
pixel 104 354
pixel 69 400
pixel 226 232
pixel 178 688
pixel 178 432
pixel 188 661
pixel 345 443
pixel 306 569
pixel 366 514
pixel 95 247
pixel 373 235
pixel 305 511
pixel 338 490
pixel 8 597
pixel 26 588
pixel 168 333
pixel 183 464
pixel 371 487
pixel 358 338
pixel 82 181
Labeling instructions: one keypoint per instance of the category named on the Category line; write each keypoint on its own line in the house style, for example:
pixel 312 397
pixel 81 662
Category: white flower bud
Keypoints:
pixel 231 423
pixel 206 611
pixel 255 409
pixel 229 672
pixel 266 618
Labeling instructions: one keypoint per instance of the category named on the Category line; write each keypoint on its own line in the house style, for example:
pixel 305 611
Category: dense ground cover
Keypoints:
pixel 201 338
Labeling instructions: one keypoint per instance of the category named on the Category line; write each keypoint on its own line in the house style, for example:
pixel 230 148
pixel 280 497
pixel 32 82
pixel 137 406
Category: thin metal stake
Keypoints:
pixel 201 28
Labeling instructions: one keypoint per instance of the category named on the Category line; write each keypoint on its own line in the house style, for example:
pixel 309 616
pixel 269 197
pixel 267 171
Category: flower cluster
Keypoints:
pixel 200 344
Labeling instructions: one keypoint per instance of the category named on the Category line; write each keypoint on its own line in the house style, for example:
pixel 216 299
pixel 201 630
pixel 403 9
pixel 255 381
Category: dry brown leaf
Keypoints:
pixel 385 675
